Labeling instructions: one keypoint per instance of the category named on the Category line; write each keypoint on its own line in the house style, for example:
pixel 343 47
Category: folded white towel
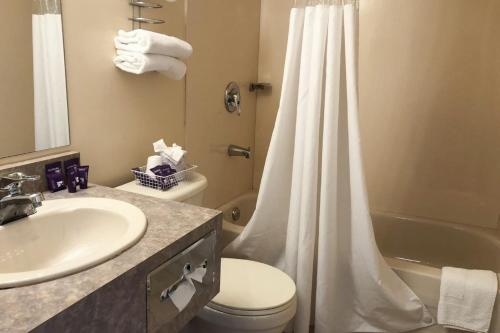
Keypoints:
pixel 143 41
pixel 138 63
pixel 467 298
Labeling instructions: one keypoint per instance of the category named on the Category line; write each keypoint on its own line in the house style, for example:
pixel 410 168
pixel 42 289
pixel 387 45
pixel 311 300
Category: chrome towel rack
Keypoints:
pixel 137 16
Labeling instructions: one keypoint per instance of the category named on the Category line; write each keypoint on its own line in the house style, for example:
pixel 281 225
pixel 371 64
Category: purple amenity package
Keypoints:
pixel 72 176
pixel 72 163
pixel 55 177
pixel 163 171
pixel 83 176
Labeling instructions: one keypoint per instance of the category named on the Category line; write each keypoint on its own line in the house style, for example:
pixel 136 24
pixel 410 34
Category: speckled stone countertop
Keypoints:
pixel 170 225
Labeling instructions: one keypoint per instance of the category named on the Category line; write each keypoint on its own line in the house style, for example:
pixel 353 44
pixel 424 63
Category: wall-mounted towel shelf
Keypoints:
pixel 143 4
pixel 137 16
pixel 146 20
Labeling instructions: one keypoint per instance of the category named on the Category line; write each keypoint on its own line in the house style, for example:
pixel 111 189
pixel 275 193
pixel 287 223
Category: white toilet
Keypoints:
pixel 190 191
pixel 253 297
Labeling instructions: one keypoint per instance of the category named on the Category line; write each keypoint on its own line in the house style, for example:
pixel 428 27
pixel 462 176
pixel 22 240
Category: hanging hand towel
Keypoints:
pixel 143 41
pixel 467 298
pixel 138 63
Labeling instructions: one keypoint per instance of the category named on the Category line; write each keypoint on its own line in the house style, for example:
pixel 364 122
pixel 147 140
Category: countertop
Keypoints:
pixel 170 225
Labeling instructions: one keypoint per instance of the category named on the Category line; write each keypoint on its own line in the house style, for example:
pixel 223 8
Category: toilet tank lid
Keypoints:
pixel 184 190
pixel 252 286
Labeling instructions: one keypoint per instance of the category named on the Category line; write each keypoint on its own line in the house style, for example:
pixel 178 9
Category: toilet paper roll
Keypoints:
pixel 153 162
pixel 186 289
pixel 183 294
pixel 198 274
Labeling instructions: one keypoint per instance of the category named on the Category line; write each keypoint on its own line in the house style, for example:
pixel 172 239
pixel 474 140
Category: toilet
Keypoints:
pixel 253 297
pixel 190 191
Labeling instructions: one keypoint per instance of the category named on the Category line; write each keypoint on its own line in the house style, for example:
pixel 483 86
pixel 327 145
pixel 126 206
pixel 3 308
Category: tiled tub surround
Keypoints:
pixel 111 297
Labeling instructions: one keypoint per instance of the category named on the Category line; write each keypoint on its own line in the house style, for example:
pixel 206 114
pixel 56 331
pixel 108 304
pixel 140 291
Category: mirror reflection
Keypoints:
pixel 33 96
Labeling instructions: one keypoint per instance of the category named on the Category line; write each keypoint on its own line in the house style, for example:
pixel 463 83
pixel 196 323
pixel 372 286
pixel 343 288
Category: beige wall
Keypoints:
pixel 273 40
pixel 225 37
pixel 115 116
pixel 16 79
pixel 429 124
pixel 429 102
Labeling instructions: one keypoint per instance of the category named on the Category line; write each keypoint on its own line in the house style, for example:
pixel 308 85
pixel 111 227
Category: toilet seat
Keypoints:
pixel 250 288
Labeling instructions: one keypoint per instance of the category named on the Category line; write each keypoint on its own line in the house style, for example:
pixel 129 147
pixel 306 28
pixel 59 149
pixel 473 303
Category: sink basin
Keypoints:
pixel 66 236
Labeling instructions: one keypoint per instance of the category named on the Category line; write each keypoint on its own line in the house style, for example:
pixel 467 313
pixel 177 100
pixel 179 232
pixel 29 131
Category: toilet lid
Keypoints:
pixel 249 286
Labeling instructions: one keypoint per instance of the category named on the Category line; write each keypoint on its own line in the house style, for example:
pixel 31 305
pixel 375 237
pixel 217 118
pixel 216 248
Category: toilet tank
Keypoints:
pixel 190 191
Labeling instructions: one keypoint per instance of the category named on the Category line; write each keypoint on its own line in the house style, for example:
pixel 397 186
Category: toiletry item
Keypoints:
pixel 160 146
pixel 72 163
pixel 173 156
pixel 153 162
pixel 72 176
pixel 163 171
pixel 55 182
pixel 55 177
pixel 83 176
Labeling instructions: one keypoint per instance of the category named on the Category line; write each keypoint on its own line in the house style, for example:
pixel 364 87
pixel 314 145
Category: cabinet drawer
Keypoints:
pixel 164 280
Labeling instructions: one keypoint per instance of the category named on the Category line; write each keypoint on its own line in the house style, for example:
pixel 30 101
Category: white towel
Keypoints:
pixel 143 41
pixel 466 299
pixel 138 63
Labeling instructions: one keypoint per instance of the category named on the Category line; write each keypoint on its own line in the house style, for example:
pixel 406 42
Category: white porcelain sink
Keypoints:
pixel 66 236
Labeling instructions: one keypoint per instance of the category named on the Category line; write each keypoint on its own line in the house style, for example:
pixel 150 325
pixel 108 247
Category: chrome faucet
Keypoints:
pixel 14 203
pixel 234 150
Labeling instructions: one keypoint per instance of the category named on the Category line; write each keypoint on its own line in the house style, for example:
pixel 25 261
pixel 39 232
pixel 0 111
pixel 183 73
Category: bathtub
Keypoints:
pixel 415 248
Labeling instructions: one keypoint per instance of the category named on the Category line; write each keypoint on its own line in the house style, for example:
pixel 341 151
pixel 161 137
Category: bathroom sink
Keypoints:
pixel 66 236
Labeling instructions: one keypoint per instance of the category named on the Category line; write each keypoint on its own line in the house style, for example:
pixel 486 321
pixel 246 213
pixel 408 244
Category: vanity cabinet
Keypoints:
pixel 133 302
pixel 124 294
pixel 200 259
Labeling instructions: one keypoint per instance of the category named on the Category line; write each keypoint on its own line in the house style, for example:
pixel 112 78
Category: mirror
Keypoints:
pixel 33 96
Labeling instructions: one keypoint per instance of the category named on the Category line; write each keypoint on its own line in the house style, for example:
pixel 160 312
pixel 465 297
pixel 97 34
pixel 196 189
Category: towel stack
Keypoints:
pixel 140 51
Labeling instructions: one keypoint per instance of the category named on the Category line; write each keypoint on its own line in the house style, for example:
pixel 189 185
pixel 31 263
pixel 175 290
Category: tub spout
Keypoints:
pixel 234 150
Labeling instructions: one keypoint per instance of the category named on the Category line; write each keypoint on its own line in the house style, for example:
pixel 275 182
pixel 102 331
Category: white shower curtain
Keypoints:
pixel 312 218
pixel 49 77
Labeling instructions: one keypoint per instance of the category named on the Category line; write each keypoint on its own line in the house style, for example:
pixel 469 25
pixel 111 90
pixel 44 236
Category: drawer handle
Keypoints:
pixel 186 275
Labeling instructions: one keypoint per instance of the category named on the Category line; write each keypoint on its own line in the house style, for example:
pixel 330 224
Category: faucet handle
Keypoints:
pixel 17 179
pixel 20 177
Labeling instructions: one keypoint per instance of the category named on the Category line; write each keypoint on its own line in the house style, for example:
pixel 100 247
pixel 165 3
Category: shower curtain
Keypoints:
pixel 49 76
pixel 312 218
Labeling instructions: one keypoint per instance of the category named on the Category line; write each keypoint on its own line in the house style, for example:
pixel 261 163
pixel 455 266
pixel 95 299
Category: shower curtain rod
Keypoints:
pixel 304 3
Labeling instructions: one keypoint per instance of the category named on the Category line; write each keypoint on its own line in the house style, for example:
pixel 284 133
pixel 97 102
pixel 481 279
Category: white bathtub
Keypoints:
pixel 415 248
